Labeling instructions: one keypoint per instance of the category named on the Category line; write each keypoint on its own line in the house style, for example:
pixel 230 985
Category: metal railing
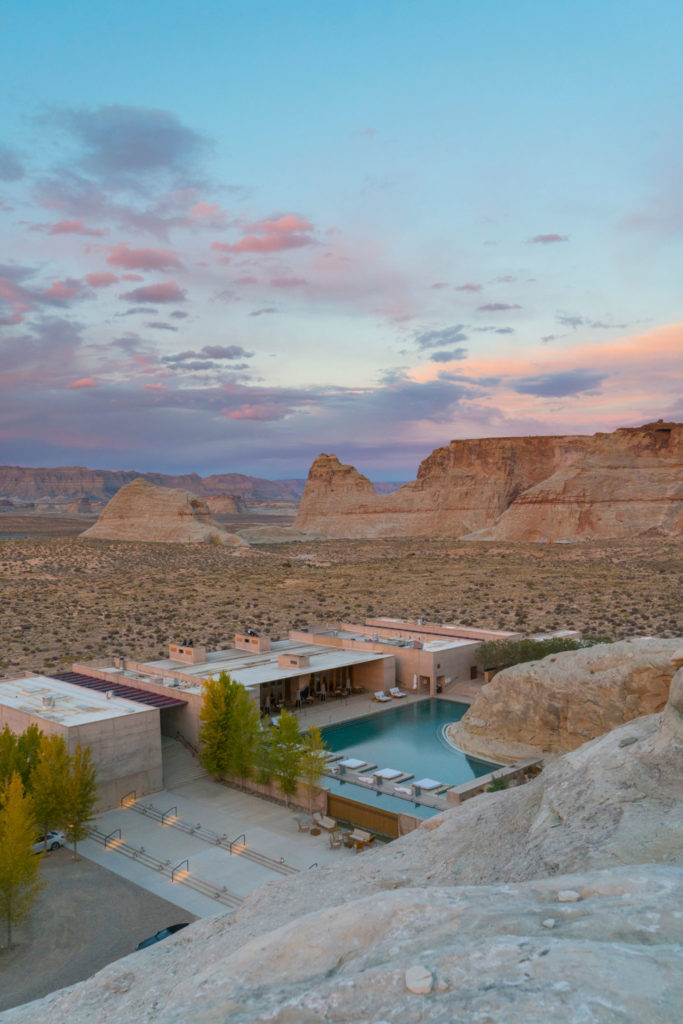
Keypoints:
pixel 178 867
pixel 234 842
pixel 113 832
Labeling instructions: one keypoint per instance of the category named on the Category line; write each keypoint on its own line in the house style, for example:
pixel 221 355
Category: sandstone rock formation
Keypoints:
pixel 625 484
pixel 554 901
pixel 225 504
pixel 141 511
pixel 556 704
pixel 72 482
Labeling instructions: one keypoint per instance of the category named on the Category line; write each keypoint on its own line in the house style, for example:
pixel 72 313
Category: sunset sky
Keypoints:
pixel 238 234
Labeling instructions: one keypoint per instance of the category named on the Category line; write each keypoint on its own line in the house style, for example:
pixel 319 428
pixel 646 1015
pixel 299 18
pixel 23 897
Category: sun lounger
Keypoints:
pixel 322 821
pixel 360 839
pixel 386 775
pixel 368 780
pixel 381 696
pixel 395 692
pixel 352 763
pixel 428 784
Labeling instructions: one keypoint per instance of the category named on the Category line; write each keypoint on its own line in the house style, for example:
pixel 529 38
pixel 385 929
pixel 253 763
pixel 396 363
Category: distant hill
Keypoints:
pixel 71 483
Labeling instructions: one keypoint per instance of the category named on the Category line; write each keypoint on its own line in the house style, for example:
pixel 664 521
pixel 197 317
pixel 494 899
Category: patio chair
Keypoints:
pixel 304 822
pixel 396 692
pixel 335 838
pixel 360 839
pixel 322 821
pixel 380 696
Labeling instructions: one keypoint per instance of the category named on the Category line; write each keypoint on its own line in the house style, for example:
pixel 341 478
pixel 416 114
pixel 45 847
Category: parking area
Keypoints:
pixel 85 918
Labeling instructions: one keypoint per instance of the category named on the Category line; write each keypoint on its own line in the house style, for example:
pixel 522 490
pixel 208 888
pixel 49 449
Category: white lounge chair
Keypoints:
pixel 395 692
pixel 322 821
pixel 381 696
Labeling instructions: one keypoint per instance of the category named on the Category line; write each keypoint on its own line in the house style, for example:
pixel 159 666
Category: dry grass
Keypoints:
pixel 65 599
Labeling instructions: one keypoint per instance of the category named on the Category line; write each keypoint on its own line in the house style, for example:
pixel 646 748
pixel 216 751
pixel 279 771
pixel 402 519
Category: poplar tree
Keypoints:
pixel 287 752
pixel 215 729
pixel 80 796
pixel 49 784
pixel 28 752
pixel 19 881
pixel 244 733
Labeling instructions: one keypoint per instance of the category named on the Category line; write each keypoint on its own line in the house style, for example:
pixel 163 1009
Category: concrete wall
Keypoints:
pixel 126 750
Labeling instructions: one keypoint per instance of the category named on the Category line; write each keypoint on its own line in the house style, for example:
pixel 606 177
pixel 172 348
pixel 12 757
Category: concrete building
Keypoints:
pixel 124 736
pixel 310 665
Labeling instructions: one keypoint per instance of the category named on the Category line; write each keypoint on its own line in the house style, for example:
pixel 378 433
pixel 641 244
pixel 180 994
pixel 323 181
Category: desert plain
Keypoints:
pixel 66 598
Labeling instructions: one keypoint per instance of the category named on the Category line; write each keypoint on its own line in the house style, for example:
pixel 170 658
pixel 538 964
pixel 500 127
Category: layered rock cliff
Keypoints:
pixel 225 504
pixel 555 901
pixel 141 511
pixel 73 482
pixel 556 704
pixel 625 484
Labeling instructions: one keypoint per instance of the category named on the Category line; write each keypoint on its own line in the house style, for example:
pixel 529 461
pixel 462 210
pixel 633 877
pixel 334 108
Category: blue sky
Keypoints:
pixel 237 235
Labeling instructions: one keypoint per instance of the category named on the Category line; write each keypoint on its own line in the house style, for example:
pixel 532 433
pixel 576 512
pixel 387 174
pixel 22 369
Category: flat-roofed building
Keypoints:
pixel 123 735
pixel 277 673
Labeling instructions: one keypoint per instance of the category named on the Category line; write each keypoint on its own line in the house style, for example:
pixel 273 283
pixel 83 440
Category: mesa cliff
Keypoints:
pixel 554 901
pixel 620 485
pixel 141 511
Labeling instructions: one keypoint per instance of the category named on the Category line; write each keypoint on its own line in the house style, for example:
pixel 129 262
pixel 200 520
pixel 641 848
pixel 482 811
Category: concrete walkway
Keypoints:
pixel 270 829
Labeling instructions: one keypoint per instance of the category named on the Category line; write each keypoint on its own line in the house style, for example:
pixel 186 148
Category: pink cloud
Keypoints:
pixel 155 387
pixel 498 307
pixel 63 289
pixel 546 239
pixel 17 298
pixel 247 279
pixel 260 412
pixel 142 259
pixel 438 285
pixel 275 235
pixel 164 291
pixel 468 287
pixel 84 382
pixel 101 280
pixel 288 282
pixel 74 227
pixel 208 214
pixel 132 277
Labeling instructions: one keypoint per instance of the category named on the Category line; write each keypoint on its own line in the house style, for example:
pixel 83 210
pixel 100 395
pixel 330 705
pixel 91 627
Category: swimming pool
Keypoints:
pixel 406 737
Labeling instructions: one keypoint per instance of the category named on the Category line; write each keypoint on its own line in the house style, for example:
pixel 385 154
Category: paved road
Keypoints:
pixel 85 918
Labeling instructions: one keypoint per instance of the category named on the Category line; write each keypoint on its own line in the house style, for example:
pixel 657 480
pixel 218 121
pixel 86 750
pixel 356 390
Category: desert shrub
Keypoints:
pixel 503 653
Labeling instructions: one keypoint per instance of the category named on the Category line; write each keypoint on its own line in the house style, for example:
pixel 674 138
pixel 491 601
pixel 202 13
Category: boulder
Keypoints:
pixel 556 704
pixel 141 511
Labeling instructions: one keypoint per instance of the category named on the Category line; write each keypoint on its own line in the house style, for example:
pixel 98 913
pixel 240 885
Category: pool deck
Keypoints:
pixel 343 709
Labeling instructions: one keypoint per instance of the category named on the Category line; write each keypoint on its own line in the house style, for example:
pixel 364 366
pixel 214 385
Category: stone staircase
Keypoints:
pixel 179 764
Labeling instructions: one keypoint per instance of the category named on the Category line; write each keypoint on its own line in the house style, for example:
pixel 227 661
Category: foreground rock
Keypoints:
pixel 625 484
pixel 556 704
pixel 141 511
pixel 477 899
pixel 225 504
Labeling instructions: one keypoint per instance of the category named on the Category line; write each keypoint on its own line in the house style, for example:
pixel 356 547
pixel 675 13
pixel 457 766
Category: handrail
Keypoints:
pixel 110 834
pixel 123 802
pixel 171 810
pixel 242 835
pixel 313 865
pixel 178 867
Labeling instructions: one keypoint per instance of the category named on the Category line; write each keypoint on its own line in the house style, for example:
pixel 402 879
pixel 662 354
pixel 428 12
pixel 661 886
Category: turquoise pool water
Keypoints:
pixel 406 737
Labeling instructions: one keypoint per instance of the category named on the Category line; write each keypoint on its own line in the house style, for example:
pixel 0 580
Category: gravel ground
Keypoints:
pixel 85 918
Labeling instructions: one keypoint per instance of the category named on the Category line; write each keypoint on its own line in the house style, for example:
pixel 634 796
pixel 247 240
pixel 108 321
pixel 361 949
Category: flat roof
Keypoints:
pixel 434 644
pixel 250 668
pixel 57 701
pixel 155 700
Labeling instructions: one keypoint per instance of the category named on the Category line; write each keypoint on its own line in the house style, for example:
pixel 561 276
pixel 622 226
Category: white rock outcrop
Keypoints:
pixel 467 900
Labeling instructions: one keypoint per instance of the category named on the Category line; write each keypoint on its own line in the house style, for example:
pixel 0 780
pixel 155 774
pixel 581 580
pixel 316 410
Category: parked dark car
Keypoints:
pixel 163 934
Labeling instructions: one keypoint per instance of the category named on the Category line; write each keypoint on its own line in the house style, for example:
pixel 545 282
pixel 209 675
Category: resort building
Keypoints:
pixel 123 735
pixel 311 665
